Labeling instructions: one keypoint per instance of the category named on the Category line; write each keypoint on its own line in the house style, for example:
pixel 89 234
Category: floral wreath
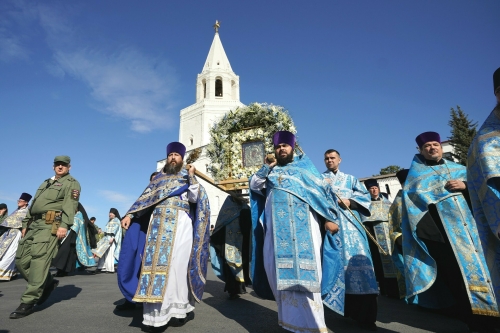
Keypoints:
pixel 255 122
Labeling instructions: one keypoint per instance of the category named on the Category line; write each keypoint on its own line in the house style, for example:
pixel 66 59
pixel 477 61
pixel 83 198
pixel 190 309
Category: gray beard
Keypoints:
pixel 173 169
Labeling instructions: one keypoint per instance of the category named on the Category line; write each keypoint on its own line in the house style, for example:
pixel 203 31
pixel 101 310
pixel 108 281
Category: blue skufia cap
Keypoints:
pixel 284 137
pixel 176 147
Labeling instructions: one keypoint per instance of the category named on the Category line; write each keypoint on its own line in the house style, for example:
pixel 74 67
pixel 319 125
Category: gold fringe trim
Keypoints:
pixel 147 300
pixel 484 312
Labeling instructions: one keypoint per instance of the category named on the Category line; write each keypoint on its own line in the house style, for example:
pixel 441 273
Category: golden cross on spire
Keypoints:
pixel 216 26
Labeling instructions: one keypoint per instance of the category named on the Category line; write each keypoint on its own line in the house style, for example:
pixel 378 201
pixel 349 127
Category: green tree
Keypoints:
pixel 388 170
pixel 463 131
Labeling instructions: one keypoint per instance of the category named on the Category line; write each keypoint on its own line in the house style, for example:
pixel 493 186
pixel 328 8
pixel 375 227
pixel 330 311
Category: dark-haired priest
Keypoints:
pixel 290 211
pixel 443 257
pixel 378 226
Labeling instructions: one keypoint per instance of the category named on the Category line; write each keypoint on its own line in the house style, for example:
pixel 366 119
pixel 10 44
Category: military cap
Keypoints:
pixel 62 158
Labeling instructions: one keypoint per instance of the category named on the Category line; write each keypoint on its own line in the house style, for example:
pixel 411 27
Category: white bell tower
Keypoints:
pixel 217 92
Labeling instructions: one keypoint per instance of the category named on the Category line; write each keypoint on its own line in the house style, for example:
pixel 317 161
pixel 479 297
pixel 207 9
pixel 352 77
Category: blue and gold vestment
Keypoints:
pixel 162 195
pixel 83 250
pixel 379 216
pixel 233 247
pixel 425 186
pixel 483 179
pixel 296 189
pixel 358 266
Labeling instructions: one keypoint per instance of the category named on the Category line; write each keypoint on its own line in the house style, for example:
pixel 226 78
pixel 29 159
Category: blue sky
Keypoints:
pixel 104 81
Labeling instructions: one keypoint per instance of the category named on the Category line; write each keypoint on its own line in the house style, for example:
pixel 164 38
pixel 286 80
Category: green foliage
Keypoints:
pixel 463 131
pixel 255 122
pixel 388 170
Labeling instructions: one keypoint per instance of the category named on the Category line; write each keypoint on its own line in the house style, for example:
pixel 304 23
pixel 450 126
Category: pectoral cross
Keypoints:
pixel 279 179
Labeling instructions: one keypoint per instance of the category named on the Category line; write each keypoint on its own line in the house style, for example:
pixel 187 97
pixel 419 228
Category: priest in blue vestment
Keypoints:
pixel 378 225
pixel 290 212
pixel 483 178
pixel 361 289
pixel 444 261
pixel 174 251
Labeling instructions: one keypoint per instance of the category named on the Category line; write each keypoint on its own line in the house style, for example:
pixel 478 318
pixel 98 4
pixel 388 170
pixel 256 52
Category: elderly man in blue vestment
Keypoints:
pixel 174 252
pixel 9 237
pixel 361 287
pixel 443 257
pixel 378 225
pixel 290 211
pixel 483 178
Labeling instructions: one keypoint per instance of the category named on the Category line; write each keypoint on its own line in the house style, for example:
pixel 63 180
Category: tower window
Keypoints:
pixel 204 89
pixel 387 189
pixel 218 88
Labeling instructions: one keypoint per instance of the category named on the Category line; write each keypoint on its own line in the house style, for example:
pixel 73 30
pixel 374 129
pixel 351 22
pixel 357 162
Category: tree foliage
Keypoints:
pixel 463 131
pixel 388 170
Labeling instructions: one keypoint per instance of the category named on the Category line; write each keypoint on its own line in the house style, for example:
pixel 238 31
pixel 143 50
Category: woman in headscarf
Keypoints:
pixel 4 212
pixel 108 248
pixel 74 250
pixel 86 239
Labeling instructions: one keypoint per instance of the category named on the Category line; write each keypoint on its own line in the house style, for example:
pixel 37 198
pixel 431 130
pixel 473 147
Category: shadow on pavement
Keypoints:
pixel 136 314
pixel 60 294
pixel 239 309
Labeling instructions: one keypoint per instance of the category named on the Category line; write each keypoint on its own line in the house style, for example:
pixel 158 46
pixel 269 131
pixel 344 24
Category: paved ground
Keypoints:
pixel 85 303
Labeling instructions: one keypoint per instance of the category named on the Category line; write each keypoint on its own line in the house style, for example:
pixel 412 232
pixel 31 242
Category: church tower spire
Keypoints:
pixel 217 79
pixel 217 92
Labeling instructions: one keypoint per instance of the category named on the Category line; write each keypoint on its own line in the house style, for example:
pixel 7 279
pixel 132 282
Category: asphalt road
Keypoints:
pixel 85 303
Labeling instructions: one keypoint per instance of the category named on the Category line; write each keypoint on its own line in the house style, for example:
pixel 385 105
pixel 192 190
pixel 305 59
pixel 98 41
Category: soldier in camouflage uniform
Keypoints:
pixel 51 214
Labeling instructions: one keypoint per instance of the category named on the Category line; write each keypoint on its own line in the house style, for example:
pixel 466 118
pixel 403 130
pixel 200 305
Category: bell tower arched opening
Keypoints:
pixel 218 87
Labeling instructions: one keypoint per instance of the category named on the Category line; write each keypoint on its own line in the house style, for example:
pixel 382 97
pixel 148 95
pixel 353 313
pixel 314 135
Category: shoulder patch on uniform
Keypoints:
pixel 75 194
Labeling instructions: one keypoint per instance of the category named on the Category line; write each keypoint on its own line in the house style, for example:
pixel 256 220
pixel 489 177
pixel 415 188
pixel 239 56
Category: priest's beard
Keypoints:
pixel 285 159
pixel 173 169
pixel 498 106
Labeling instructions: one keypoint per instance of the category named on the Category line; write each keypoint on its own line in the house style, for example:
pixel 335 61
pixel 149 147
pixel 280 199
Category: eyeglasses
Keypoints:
pixel 21 200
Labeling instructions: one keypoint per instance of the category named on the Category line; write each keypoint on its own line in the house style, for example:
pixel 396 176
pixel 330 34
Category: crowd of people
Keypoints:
pixel 303 238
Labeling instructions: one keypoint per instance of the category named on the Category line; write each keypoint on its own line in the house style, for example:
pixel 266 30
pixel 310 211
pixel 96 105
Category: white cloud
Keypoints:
pixel 117 197
pixel 11 48
pixel 125 83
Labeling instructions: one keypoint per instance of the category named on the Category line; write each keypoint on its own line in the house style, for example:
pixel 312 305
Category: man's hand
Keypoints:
pixel 126 222
pixel 61 233
pixel 344 203
pixel 191 169
pixel 455 185
pixel 332 227
pixel 270 162
pixel 112 240
pixel 23 232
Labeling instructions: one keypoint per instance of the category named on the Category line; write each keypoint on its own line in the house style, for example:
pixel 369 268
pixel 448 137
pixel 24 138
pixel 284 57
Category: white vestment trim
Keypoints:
pixel 177 301
pixel 8 261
